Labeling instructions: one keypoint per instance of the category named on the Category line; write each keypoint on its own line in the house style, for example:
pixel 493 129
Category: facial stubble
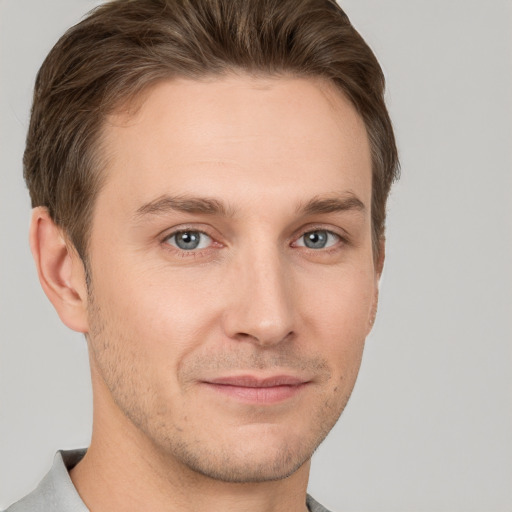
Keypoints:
pixel 118 365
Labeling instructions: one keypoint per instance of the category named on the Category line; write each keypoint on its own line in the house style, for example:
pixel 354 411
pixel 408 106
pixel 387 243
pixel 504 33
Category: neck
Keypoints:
pixel 124 471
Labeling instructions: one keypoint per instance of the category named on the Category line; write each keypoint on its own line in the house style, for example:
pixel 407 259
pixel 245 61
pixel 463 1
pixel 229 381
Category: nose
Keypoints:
pixel 261 304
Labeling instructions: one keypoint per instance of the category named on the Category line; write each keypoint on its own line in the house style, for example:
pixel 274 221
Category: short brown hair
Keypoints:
pixel 123 46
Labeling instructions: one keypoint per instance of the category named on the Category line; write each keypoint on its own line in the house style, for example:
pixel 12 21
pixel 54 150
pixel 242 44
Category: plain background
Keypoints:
pixel 429 425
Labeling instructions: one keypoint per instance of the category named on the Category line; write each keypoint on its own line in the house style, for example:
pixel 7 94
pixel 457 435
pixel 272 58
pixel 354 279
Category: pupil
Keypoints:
pixel 187 240
pixel 315 239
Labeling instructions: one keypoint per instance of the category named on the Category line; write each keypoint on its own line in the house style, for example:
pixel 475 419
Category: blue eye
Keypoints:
pixel 189 240
pixel 318 239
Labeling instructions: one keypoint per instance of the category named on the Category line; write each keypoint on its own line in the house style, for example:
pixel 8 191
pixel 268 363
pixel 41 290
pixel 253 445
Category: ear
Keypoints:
pixel 60 269
pixel 379 265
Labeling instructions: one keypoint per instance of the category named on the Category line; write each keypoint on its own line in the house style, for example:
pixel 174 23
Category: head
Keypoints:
pixel 219 171
pixel 122 48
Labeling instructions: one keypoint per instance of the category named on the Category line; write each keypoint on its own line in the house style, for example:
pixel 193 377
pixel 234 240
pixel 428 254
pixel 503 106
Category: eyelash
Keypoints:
pixel 190 253
pixel 340 240
pixel 332 234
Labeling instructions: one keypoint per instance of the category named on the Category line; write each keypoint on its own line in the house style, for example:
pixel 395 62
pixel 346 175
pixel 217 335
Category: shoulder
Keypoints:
pixel 314 506
pixel 56 492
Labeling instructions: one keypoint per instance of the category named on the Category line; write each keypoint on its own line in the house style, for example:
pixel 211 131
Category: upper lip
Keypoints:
pixel 250 381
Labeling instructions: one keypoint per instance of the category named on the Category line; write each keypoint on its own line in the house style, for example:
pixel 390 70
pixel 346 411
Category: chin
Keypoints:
pixel 257 468
pixel 260 455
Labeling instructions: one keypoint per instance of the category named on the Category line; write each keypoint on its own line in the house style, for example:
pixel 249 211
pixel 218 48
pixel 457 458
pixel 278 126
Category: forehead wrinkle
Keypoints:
pixel 183 203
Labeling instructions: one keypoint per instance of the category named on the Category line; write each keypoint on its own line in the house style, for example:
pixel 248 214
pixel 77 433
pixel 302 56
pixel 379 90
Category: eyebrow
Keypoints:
pixel 318 205
pixel 210 206
pixel 198 205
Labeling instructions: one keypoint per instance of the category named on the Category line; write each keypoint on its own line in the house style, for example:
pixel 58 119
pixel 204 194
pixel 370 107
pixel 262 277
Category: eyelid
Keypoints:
pixel 166 235
pixel 175 233
pixel 337 237
pixel 340 233
pixel 168 232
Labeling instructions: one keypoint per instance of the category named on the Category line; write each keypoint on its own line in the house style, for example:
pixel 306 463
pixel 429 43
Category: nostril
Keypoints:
pixel 265 339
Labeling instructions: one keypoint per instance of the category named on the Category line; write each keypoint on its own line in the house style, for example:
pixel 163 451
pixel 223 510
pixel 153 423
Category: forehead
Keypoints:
pixel 277 134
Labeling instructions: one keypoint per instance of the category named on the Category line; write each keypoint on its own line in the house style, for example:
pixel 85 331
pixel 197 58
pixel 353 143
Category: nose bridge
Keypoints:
pixel 262 308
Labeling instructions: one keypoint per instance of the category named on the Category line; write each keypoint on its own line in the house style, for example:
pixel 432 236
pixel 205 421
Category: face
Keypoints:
pixel 232 275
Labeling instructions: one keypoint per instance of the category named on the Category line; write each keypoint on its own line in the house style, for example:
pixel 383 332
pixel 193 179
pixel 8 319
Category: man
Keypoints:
pixel 209 181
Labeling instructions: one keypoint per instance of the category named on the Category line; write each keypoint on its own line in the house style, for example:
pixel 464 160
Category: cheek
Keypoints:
pixel 339 317
pixel 341 302
pixel 160 314
pixel 165 313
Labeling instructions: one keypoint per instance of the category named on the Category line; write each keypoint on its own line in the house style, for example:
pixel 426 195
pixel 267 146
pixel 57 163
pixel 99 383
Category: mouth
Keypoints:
pixel 261 391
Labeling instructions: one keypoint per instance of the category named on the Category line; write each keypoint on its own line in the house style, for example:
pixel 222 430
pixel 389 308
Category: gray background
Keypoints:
pixel 429 426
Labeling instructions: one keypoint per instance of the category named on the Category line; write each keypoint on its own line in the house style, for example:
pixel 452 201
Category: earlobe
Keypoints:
pixel 60 270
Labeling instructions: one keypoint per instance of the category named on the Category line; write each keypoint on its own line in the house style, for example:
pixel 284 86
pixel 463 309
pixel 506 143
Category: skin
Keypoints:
pixel 183 342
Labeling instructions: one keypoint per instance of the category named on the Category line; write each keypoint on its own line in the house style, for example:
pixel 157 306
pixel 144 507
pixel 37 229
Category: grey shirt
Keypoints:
pixel 56 492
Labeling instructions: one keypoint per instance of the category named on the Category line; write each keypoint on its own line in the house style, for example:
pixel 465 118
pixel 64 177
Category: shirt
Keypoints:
pixel 56 492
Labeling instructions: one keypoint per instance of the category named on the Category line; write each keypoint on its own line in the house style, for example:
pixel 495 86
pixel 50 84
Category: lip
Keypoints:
pixel 257 390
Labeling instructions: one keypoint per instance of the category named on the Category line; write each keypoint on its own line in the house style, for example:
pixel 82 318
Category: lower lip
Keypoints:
pixel 261 395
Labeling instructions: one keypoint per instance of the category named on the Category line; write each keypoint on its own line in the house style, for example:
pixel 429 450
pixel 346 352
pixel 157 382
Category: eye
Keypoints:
pixel 318 239
pixel 189 240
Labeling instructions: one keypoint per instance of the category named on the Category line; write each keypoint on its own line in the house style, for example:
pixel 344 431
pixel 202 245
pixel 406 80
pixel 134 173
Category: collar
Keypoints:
pixel 56 491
